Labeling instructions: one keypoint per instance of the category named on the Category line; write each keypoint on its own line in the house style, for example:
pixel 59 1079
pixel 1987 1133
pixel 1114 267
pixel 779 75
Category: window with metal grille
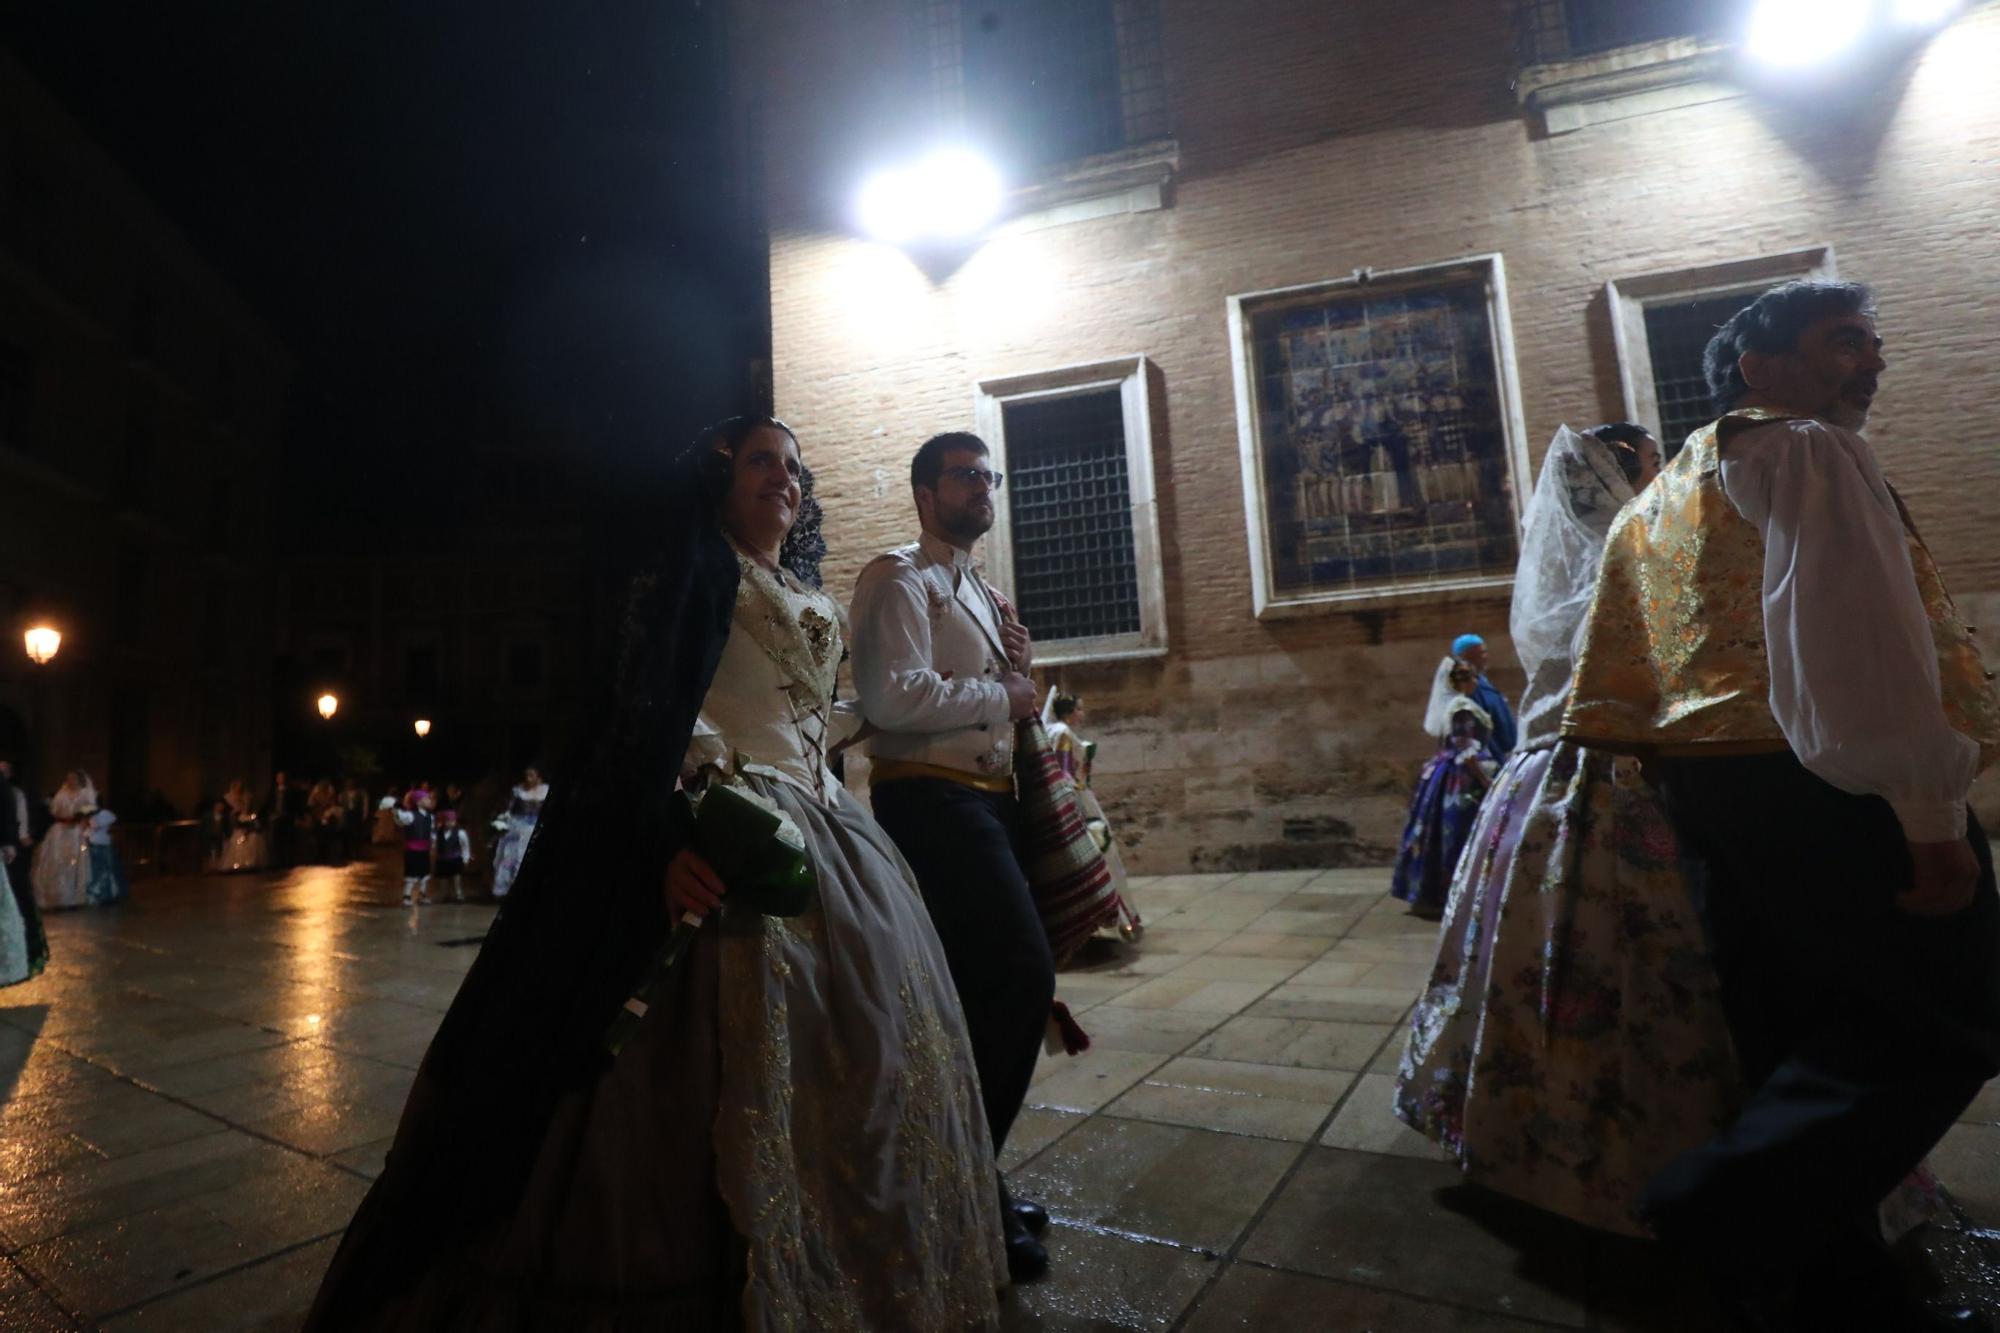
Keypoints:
pixel 1558 29
pixel 1069 498
pixel 1036 82
pixel 1676 334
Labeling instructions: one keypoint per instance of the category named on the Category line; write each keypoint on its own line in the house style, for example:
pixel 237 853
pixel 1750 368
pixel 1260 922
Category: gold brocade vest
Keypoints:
pixel 1672 654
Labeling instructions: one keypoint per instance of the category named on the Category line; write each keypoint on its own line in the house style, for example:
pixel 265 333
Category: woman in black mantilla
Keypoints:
pixel 793 1139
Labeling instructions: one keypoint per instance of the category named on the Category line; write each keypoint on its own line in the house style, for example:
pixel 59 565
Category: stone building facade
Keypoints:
pixel 141 405
pixel 1587 186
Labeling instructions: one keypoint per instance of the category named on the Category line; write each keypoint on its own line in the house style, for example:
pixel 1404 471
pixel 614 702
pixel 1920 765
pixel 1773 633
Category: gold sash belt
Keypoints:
pixel 896 770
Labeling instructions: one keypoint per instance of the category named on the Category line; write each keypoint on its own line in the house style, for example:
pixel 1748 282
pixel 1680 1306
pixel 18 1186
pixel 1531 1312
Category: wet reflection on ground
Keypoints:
pixel 198 1092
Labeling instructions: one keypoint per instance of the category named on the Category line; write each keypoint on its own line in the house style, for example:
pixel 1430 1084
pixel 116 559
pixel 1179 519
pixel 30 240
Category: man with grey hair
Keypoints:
pixel 1772 634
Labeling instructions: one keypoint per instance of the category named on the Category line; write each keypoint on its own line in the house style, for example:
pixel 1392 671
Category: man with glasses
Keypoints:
pixel 942 674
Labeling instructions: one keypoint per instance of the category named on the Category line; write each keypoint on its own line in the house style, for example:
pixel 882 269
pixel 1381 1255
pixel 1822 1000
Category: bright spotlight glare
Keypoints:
pixel 1924 13
pixel 949 194
pixel 1806 32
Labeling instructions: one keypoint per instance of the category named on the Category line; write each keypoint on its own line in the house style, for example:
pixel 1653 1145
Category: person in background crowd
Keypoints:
pixel 322 822
pixel 454 854
pixel 62 862
pixel 107 873
pixel 1471 650
pixel 283 811
pixel 1062 714
pixel 417 823
pixel 1449 788
pixel 23 842
pixel 245 848
pixel 24 947
pixel 524 811
pixel 353 817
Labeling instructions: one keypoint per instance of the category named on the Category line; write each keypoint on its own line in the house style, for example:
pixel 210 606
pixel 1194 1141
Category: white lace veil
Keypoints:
pixel 1437 713
pixel 1581 489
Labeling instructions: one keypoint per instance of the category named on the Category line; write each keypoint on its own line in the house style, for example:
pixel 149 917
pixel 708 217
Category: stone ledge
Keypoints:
pixel 1132 180
pixel 1632 81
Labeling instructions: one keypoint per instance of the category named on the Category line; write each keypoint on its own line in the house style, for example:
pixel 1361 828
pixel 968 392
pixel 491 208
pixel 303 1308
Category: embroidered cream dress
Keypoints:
pixel 853 1154
pixel 794 1139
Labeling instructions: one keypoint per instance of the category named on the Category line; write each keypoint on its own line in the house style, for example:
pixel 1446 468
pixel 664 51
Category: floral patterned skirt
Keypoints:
pixel 1571 1040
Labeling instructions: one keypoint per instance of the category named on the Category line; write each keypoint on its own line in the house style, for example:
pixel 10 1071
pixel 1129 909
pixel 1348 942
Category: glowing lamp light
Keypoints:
pixel 43 642
pixel 1923 13
pixel 1797 33
pixel 947 195
pixel 423 725
pixel 328 706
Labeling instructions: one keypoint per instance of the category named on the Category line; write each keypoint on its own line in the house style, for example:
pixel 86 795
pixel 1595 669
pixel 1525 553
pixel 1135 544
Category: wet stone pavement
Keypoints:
pixel 194 1098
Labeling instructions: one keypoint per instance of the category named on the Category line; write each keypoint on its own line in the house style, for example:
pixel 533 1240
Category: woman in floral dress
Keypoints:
pixel 1571 1040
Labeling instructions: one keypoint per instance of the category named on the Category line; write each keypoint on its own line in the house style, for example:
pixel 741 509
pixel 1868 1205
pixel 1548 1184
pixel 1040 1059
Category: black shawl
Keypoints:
pixel 577 930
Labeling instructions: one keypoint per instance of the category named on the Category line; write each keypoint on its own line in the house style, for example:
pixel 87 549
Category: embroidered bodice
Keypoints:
pixel 770 709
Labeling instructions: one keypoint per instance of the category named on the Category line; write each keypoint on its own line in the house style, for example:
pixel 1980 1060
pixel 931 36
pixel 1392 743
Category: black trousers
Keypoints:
pixel 1863 1031
pixel 961 844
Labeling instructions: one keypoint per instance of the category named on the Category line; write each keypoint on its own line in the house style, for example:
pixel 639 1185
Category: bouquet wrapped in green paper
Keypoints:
pixel 759 855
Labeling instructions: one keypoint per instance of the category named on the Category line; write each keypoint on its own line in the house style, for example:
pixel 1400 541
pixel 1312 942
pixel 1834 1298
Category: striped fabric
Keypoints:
pixel 1071 882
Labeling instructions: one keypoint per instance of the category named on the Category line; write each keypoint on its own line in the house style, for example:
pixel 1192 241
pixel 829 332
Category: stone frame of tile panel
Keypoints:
pixel 1488 269
pixel 1131 376
pixel 1630 298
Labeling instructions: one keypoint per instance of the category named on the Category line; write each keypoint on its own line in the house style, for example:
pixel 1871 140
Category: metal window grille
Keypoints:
pixel 939 21
pixel 1142 71
pixel 1559 29
pixel 1076 574
pixel 1676 334
pixel 1044 81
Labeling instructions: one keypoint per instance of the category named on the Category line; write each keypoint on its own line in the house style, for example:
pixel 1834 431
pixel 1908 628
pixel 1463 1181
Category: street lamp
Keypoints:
pixel 1796 34
pixel 1924 13
pixel 328 706
pixel 947 196
pixel 423 726
pixel 43 642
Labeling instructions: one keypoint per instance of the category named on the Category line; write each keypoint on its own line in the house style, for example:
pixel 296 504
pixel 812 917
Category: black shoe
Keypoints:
pixel 1026 1259
pixel 1033 1216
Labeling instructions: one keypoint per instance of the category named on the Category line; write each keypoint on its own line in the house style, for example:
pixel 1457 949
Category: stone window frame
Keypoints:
pixel 1130 375
pixel 1629 299
pixel 1266 603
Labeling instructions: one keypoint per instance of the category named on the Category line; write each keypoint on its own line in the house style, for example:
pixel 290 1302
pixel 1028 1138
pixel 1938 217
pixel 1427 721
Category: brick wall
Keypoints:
pixel 1315 139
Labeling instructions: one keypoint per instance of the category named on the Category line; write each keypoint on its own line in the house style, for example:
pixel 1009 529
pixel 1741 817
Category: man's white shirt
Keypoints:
pixel 928 660
pixel 1854 672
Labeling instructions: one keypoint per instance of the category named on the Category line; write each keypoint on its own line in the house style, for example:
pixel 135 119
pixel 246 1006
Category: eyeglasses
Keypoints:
pixel 973 475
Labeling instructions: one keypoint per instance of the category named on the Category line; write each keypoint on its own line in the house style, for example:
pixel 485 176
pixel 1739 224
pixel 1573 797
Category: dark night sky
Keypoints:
pixel 462 216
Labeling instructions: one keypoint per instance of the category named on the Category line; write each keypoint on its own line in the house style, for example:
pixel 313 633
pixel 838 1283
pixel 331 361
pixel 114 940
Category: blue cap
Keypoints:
pixel 1465 643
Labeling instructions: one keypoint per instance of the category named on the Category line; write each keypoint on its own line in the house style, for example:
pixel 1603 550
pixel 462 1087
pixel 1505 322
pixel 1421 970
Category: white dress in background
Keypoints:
pixel 61 873
pixel 524 812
